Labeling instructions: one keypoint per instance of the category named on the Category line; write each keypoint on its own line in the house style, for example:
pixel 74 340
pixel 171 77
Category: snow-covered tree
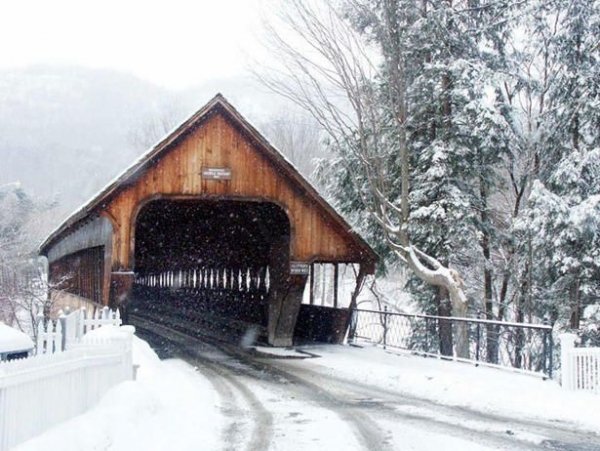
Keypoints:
pixel 563 218
pixel 450 123
pixel 456 133
pixel 23 289
pixel 338 87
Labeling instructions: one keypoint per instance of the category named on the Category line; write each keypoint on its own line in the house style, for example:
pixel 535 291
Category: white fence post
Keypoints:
pixel 568 368
pixel 62 320
pixel 41 333
pixel 82 318
pixel 57 337
pixel 129 371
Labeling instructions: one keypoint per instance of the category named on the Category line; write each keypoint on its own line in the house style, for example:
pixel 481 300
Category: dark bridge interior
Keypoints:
pixel 209 262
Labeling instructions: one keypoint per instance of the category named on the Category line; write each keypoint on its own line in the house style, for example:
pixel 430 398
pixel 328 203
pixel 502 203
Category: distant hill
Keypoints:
pixel 66 131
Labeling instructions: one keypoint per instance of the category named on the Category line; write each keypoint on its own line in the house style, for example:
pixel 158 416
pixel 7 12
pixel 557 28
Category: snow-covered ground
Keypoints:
pixel 168 407
pixel 177 406
pixel 488 390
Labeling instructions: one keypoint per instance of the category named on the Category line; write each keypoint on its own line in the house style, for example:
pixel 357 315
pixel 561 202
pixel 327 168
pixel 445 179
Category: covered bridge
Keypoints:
pixel 213 219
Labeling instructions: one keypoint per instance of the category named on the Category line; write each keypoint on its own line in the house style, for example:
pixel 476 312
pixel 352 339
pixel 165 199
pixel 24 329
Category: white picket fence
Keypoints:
pixel 61 382
pixel 580 367
pixel 56 336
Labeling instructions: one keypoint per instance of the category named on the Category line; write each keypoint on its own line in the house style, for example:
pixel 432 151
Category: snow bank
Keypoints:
pixel 281 352
pixel 13 340
pixel 170 406
pixel 484 389
pixel 107 332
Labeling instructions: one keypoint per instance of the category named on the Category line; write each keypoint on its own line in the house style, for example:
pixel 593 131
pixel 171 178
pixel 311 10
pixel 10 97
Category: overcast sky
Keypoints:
pixel 174 43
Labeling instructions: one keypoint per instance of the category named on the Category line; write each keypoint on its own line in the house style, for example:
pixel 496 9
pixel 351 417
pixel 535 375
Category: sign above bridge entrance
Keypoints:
pixel 216 173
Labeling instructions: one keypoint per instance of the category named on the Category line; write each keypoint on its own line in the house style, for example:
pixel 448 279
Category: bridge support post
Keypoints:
pixel 121 283
pixel 283 312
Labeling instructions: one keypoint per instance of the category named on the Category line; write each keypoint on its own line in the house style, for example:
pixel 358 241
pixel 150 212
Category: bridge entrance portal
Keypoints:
pixel 217 263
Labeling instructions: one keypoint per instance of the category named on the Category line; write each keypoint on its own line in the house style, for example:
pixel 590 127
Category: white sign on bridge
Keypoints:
pixel 216 173
pixel 299 268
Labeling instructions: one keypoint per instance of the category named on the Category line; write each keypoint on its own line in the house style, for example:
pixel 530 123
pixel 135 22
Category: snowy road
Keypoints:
pixel 286 404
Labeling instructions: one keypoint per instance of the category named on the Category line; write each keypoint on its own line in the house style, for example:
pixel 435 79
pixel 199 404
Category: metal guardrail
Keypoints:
pixel 522 347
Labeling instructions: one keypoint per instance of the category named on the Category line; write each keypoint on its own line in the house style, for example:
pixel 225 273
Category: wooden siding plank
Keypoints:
pixel 218 144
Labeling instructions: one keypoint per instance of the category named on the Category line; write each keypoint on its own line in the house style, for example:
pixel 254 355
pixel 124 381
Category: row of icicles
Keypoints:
pixel 249 279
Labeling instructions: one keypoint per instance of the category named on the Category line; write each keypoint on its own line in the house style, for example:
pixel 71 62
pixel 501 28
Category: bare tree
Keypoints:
pixel 329 71
pixel 23 286
pixel 298 136
pixel 156 126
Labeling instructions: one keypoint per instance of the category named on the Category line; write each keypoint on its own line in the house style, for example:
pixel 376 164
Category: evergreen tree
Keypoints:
pixel 564 215
pixel 456 134
pixel 476 142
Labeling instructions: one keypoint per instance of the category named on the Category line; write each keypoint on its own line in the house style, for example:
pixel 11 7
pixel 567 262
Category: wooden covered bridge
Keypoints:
pixel 213 222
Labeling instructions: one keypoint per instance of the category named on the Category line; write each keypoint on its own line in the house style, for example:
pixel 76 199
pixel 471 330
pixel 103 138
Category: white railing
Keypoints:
pixel 102 317
pixel 57 335
pixel 72 323
pixel 68 374
pixel 580 367
pixel 49 337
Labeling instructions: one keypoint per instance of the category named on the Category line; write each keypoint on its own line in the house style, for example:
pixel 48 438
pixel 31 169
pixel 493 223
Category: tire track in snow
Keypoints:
pixel 367 431
pixel 240 362
pixel 461 422
pixel 361 406
pixel 225 383
pixel 381 407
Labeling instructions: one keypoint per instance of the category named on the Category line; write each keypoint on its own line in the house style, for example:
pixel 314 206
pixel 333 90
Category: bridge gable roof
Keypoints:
pixel 217 105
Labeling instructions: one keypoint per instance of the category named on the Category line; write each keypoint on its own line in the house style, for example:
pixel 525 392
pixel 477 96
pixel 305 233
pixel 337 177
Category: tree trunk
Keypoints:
pixel 352 318
pixel 397 94
pixel 450 287
pixel 491 335
pixel 520 315
pixel 444 308
pixel 575 304
pixel 459 304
